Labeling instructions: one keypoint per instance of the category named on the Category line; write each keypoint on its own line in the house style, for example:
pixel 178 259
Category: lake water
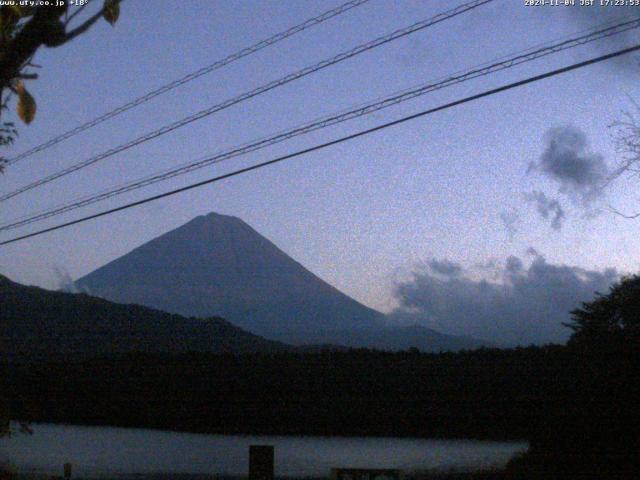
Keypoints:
pixel 104 451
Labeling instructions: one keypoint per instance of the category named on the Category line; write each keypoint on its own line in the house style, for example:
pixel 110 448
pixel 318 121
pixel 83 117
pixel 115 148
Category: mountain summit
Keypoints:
pixel 218 265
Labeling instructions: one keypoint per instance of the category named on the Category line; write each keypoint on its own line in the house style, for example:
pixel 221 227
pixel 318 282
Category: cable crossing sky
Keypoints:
pixel 416 27
pixel 472 73
pixel 311 22
pixel 353 136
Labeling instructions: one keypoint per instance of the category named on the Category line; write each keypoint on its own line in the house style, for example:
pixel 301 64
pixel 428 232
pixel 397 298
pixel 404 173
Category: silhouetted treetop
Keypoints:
pixel 612 319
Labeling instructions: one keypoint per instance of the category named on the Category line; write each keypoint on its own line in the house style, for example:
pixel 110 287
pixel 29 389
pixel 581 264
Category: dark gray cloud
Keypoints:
pixel 532 252
pixel 513 266
pixel 445 267
pixel 567 160
pixel 579 174
pixel 548 208
pixel 597 16
pixel 528 304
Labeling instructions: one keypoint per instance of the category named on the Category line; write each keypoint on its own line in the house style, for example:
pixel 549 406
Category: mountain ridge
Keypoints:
pixel 38 324
pixel 219 265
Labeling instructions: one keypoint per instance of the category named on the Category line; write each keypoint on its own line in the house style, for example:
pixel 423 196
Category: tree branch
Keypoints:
pixel 623 215
pixel 27 41
pixel 80 29
pixel 68 21
pixel 27 76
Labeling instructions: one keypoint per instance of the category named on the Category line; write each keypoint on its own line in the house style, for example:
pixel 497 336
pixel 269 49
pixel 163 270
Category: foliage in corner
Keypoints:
pixel 23 30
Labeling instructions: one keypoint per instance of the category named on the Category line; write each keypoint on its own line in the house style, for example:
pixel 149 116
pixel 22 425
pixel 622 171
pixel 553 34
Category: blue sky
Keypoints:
pixel 362 215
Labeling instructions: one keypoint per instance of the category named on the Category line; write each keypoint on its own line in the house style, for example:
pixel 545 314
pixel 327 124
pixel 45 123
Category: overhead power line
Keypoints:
pixel 257 91
pixel 311 22
pixel 322 146
pixel 459 77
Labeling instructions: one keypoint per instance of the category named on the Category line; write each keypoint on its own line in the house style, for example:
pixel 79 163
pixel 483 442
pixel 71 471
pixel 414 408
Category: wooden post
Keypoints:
pixel 261 462
pixel 366 474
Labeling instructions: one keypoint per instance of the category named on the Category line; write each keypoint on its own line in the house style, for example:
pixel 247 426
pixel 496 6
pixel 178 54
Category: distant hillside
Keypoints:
pixel 399 338
pixel 37 324
pixel 219 265
pixel 408 328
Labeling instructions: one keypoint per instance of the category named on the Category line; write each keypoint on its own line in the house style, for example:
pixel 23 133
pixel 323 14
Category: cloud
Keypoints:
pixel 65 283
pixel 599 17
pixel 491 268
pixel 513 266
pixel 444 267
pixel 547 208
pixel 510 219
pixel 579 174
pixel 566 160
pixel 527 305
pixel 533 252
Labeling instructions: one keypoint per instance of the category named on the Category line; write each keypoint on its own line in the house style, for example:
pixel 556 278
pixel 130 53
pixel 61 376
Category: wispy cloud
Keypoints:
pixel 548 208
pixel 64 281
pixel 510 219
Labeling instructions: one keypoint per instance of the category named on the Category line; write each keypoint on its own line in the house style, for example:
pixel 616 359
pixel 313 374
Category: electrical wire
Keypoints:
pixel 365 109
pixel 250 94
pixel 311 22
pixel 361 133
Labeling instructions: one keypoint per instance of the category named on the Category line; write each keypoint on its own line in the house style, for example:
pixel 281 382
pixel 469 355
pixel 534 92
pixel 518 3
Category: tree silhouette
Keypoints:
pixel 592 432
pixel 611 320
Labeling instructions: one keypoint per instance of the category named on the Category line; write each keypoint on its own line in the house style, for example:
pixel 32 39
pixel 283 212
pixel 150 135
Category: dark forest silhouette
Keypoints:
pixel 576 404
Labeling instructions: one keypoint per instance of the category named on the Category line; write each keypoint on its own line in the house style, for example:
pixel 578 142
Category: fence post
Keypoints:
pixel 261 462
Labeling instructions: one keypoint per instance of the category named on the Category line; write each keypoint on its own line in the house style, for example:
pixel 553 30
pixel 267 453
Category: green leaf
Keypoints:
pixel 111 11
pixel 26 104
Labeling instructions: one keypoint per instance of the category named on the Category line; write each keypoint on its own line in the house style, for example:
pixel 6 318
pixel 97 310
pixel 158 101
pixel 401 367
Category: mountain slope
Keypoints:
pixel 37 324
pixel 217 264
